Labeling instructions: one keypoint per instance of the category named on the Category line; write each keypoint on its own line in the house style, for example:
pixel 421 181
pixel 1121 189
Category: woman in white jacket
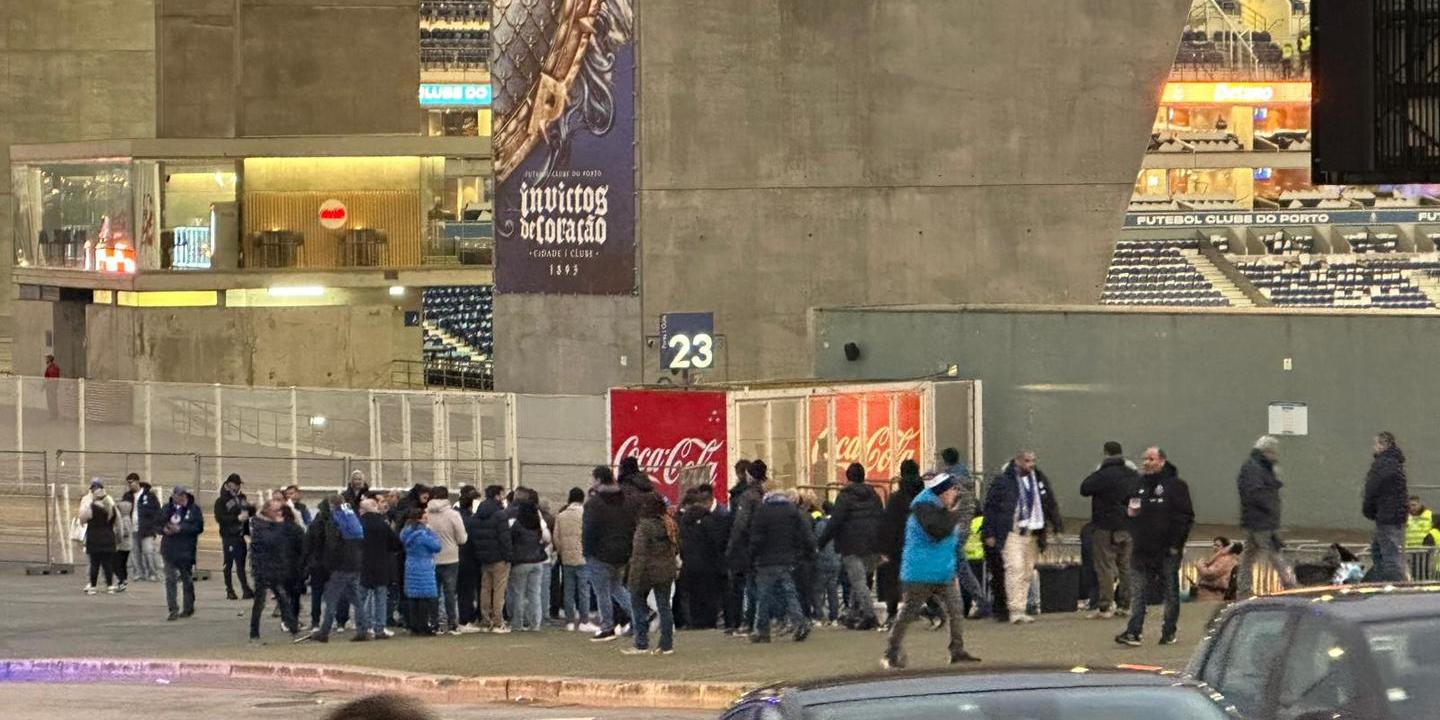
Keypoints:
pixel 97 513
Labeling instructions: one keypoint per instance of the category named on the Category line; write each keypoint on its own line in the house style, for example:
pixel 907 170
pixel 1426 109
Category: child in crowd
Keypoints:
pixel 421 546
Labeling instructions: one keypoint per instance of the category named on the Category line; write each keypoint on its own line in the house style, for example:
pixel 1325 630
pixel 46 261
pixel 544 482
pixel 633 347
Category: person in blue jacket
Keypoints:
pixel 183 524
pixel 421 546
pixel 928 568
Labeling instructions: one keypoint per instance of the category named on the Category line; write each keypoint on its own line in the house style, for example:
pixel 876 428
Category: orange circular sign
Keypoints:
pixel 334 214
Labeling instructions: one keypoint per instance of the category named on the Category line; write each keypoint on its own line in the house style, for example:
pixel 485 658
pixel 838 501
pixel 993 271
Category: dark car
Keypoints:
pixel 1359 652
pixel 1077 694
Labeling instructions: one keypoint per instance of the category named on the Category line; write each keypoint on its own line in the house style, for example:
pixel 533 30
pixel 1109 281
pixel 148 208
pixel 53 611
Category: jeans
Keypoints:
pixel 341 587
pixel 282 598
pixel 776 589
pixel 1113 551
pixel 235 552
pixel 179 574
pixel 605 579
pixel 144 558
pixel 857 569
pixel 373 610
pixel 639 609
pixel 547 575
pixel 1388 545
pixel 446 578
pixel 970 585
pixel 915 597
pixel 1266 545
pixel 525 582
pixel 494 580
pixel 102 561
pixel 575 593
pixel 826 601
pixel 1143 570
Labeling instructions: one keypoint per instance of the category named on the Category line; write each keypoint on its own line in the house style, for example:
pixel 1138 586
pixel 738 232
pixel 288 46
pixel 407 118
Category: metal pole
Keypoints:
pixel 49 511
pixel 374 441
pixel 80 411
pixel 219 438
pixel 149 460
pixel 438 440
pixel 69 550
pixel 479 449
pixel 294 438
pixel 405 433
pixel 20 425
pixel 512 441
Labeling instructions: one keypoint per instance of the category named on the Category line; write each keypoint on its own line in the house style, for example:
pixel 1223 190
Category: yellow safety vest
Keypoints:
pixel 1304 43
pixel 1417 528
pixel 975 545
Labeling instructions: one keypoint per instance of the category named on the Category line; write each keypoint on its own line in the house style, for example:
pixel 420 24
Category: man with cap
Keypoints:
pixel 181 532
pixel 232 514
pixel 928 566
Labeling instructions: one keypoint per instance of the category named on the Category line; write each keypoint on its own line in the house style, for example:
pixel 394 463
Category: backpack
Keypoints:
pixel 348 523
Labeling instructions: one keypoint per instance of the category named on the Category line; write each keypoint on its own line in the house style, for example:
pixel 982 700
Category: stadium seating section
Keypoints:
pixel 1157 272
pixel 454 35
pixel 1328 281
pixel 464 313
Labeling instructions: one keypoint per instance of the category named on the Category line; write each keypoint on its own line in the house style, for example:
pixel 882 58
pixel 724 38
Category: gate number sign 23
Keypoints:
pixel 687 341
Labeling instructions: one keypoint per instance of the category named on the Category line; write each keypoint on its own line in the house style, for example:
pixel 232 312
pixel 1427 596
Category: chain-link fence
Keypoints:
pixel 27 511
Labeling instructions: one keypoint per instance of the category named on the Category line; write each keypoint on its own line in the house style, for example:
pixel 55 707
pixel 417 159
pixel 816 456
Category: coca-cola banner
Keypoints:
pixel 877 430
pixel 669 431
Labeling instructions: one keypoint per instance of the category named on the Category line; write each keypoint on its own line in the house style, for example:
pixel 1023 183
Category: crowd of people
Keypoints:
pixel 617 557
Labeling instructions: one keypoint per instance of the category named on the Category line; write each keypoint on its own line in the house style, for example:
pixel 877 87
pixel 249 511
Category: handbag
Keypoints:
pixel 77 530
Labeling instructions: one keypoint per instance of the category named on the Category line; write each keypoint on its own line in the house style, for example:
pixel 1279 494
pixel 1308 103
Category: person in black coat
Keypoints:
pixel 734 604
pixel 146 540
pixel 98 513
pixel 608 536
pixel 738 552
pixel 377 572
pixel 1387 493
pixel 1259 490
pixel 780 538
pixel 183 525
pixel 1161 518
pixel 1020 513
pixel 272 562
pixel 891 541
pixel 489 545
pixel 232 514
pixel 704 532
pixel 1110 488
pixel 467 583
pixel 855 527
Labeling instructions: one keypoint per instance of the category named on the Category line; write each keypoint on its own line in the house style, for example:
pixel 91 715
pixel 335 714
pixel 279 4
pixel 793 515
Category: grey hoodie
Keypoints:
pixel 449 527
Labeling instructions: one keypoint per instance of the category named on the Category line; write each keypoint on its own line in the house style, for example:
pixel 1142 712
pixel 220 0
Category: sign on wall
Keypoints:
pixel 877 430
pixel 564 150
pixel 1280 217
pixel 455 94
pixel 687 341
pixel 669 431
pixel 333 214
pixel 1289 418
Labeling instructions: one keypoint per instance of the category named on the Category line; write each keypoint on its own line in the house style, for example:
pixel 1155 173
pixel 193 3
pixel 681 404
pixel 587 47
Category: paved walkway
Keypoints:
pixel 50 617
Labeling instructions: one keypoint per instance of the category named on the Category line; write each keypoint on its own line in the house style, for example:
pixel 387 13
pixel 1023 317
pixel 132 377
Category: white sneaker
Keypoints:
pixel 501 630
pixel 89 589
pixel 586 627
pixel 1022 620
pixel 1100 615
pixel 110 590
pixel 569 627
pixel 622 630
pixel 470 629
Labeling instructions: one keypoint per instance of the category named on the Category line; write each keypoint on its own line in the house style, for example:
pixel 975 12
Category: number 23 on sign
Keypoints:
pixel 695 352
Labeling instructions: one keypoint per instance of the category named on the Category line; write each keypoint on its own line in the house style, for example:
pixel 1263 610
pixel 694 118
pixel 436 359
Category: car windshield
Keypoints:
pixel 1151 703
pixel 1407 654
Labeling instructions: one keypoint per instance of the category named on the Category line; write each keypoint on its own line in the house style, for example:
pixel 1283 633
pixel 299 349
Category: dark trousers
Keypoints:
pixel 122 566
pixel 734 600
pixel 235 552
pixel 701 593
pixel 181 575
pixel 446 579
pixel 805 586
pixel 917 597
pixel 1144 571
pixel 995 563
pixel 319 580
pixel 467 590
pixel 424 615
pixel 282 598
pixel 294 588
pixel 102 561
pixel 887 586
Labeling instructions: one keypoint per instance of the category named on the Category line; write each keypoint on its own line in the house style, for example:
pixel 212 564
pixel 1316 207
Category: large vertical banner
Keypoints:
pixel 563 73
pixel 672 433
pixel 890 433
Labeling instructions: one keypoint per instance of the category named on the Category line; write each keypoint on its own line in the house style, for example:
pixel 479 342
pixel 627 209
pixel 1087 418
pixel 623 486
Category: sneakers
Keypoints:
pixel 111 590
pixel 122 587
pixel 586 627
pixel 1100 615
pixel 187 613
pixel 937 623
pixel 89 589
pixel 470 629
pixel 501 630
pixel 605 636
pixel 569 627
pixel 454 633
pixel 892 662
pixel 172 617
pixel 665 651
pixel 360 637
pixel 385 634
pixel 1128 639
pixel 623 630
pixel 962 657
pixel 230 594
pixel 1022 619
pixel 1167 639
pixel 802 632
pixel 634 651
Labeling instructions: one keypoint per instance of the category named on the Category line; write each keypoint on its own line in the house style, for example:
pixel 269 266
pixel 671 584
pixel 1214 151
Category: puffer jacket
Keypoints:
pixel 856 521
pixel 227 513
pixel 150 520
pixel 931 542
pixel 379 550
pixel 99 518
pixel 1259 493
pixel 528 540
pixel 272 550
pixel 738 554
pixel 569 535
pixel 609 531
pixel 827 560
pixel 182 528
pixel 704 533
pixel 1387 491
pixel 447 525
pixel 652 557
pixel 488 531
pixel 421 546
pixel 780 534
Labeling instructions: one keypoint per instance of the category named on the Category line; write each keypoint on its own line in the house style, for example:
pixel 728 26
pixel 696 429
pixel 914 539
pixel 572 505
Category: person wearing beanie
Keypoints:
pixel 181 532
pixel 739 551
pixel 97 513
pixel 854 527
pixel 927 571
pixel 1020 512
pixel 1110 488
pixel 570 545
pixel 232 515
pixel 781 538
pixel 892 537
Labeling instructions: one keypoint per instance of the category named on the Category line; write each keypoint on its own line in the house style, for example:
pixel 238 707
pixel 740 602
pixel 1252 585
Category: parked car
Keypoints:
pixel 1357 652
pixel 1078 694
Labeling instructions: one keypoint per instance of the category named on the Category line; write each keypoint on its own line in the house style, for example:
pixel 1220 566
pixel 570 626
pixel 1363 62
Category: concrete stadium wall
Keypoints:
pixel 1198 384
pixel 337 346
pixel 70 70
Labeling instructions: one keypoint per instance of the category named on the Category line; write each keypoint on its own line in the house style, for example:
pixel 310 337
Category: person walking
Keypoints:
pixel 739 549
pixel 378 552
pixel 1161 519
pixel 421 590
pixel 854 527
pixel 181 532
pixel 1020 512
pixel 97 513
pixel 145 516
pixel 445 522
pixel 232 516
pixel 271 559
pixel 488 535
pixel 529 539
pixel 892 538
pixel 652 572
pixel 608 539
pixel 780 539
pixel 932 543
pixel 124 540
pixel 1259 489
pixel 1386 495
pixel 570 546
pixel 342 551
pixel 1110 488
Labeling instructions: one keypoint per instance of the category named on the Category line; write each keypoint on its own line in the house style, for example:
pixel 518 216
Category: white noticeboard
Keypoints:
pixel 1289 418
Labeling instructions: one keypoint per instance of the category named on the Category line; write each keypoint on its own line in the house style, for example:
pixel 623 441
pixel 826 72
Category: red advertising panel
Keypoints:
pixel 668 431
pixel 884 440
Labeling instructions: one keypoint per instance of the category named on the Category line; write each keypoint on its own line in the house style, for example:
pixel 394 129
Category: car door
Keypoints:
pixel 1320 672
pixel 1244 659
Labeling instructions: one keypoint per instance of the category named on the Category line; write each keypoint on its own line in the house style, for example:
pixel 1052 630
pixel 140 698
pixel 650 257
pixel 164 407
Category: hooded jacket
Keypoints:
pixel 181 531
pixel 897 512
pixel 327 546
pixel 568 535
pixel 780 534
pixel 227 513
pixel 1110 488
pixel 1259 493
pixel 1386 490
pixel 636 486
pixel 652 555
pixel 273 554
pixel 738 551
pixel 148 511
pixel 1004 496
pixel 528 535
pixel 609 526
pixel 704 534
pixel 421 545
pixel 488 533
pixel 378 551
pixel 856 521
pixel 445 522
pixel 1166 516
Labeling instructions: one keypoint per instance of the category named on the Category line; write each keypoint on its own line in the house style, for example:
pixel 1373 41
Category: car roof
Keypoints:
pixel 1364 603
pixel 947 682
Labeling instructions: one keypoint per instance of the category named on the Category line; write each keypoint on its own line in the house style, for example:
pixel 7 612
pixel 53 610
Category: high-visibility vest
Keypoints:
pixel 975 545
pixel 1304 43
pixel 1417 528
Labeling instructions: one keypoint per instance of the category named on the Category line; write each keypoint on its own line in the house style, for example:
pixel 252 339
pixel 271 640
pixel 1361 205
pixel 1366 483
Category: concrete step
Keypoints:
pixel 1233 295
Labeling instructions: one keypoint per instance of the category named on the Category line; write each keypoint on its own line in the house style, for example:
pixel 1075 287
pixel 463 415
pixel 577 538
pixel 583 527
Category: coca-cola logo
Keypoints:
pixel 881 452
pixel 670 461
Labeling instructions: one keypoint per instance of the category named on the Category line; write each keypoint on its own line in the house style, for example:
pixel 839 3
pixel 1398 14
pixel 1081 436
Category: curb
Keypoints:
pixel 440 689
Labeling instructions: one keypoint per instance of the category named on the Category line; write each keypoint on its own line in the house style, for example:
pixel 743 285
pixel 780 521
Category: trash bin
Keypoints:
pixel 1059 588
